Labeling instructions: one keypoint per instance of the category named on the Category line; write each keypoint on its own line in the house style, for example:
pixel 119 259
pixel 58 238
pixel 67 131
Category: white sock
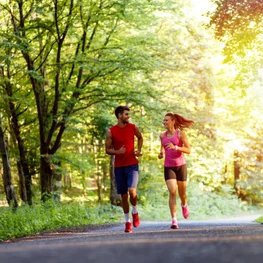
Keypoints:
pixel 134 210
pixel 174 218
pixel 127 217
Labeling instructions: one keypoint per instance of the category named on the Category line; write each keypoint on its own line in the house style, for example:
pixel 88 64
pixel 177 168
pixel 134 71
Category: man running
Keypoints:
pixel 120 142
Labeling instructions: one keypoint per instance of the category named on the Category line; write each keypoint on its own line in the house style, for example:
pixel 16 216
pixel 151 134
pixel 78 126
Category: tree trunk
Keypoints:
pixel 236 169
pixel 46 178
pixel 22 165
pixel 57 183
pixel 22 186
pixel 114 196
pixel 7 178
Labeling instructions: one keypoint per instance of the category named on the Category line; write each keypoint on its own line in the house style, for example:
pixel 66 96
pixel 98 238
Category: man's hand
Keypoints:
pixel 122 150
pixel 137 153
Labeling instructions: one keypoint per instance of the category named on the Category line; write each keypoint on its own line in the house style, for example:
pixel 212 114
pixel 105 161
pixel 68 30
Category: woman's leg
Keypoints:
pixel 182 194
pixel 182 191
pixel 171 186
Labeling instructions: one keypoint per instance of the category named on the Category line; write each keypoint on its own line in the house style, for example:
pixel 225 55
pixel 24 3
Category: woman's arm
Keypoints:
pixel 160 155
pixel 186 145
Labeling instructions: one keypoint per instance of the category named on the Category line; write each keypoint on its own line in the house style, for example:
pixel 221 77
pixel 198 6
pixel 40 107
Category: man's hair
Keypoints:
pixel 120 110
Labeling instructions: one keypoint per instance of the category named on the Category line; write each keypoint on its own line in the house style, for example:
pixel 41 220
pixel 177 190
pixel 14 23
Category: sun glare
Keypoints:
pixel 202 6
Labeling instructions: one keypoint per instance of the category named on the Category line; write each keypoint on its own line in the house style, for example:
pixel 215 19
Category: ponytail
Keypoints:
pixel 180 121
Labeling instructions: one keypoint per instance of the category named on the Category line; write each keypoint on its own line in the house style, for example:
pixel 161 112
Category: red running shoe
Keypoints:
pixel 174 224
pixel 128 227
pixel 185 211
pixel 135 220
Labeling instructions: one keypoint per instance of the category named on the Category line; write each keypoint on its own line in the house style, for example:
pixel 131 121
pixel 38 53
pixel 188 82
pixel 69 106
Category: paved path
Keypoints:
pixel 230 240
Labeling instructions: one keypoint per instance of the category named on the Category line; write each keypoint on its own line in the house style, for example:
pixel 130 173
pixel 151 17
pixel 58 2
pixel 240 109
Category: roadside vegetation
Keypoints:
pixel 53 216
pixel 66 65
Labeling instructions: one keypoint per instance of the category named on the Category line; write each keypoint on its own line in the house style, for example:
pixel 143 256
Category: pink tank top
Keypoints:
pixel 173 158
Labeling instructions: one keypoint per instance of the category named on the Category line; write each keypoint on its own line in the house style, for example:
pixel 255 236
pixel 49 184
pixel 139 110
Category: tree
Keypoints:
pixel 11 106
pixel 7 177
pixel 74 54
pixel 239 25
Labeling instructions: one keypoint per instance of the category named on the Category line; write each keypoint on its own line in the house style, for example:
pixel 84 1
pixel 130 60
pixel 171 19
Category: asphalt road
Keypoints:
pixel 230 240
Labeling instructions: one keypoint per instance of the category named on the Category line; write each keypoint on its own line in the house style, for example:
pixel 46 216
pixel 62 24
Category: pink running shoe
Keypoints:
pixel 135 220
pixel 128 227
pixel 174 224
pixel 185 211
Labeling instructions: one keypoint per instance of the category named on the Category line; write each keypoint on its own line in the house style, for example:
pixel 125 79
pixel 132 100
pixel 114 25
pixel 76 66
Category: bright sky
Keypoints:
pixel 202 5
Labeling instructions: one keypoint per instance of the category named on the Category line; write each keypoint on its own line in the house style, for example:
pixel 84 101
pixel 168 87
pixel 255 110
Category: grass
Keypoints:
pixel 153 206
pixel 260 219
pixel 52 216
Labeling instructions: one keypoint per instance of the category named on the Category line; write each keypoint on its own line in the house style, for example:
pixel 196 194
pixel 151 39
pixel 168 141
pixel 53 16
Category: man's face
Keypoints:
pixel 124 118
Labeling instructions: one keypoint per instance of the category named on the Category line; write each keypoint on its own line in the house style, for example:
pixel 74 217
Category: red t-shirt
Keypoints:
pixel 124 136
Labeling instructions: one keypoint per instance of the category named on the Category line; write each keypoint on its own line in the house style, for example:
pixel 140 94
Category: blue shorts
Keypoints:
pixel 126 177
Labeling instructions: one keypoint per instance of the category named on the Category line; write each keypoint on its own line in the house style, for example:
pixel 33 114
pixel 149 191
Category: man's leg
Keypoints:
pixel 122 189
pixel 125 203
pixel 133 176
pixel 133 196
pixel 125 207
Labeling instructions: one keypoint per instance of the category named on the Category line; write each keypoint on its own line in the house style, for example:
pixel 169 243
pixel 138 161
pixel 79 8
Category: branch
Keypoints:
pixel 57 77
pixel 58 139
pixel 28 122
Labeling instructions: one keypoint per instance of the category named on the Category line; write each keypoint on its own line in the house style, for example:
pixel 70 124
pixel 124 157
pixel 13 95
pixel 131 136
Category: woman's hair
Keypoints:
pixel 180 121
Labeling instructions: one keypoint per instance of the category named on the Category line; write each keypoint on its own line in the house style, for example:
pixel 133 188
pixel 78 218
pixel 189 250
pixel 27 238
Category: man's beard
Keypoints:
pixel 125 121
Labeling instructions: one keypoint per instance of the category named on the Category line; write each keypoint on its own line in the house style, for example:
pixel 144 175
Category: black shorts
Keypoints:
pixel 179 173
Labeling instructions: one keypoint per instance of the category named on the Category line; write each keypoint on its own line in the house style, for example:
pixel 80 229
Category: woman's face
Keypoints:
pixel 168 122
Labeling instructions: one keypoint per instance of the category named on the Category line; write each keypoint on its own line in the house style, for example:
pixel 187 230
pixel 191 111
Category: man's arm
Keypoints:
pixel 140 142
pixel 108 145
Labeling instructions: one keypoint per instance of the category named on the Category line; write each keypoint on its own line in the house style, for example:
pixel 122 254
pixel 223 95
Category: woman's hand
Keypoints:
pixel 170 146
pixel 160 155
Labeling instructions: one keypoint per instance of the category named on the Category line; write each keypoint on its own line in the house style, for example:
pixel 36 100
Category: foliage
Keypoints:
pixel 153 56
pixel 205 200
pixel 259 220
pixel 52 216
pixel 250 184
pixel 71 56
pixel 153 206
pixel 238 24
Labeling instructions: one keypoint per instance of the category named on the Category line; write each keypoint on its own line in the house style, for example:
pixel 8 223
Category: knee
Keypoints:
pixel 172 193
pixel 132 192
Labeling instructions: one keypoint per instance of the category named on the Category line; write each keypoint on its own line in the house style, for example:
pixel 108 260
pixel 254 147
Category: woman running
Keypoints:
pixel 174 143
